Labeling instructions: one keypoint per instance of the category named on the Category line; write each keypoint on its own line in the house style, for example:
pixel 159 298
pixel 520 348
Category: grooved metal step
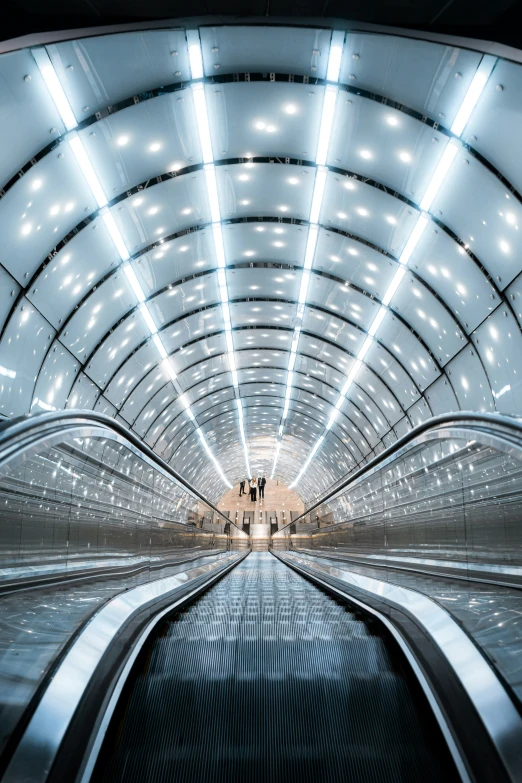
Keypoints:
pixel 266 678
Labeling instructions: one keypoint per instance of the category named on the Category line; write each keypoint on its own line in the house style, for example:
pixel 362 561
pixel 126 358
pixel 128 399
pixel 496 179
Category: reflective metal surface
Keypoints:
pixel 485 690
pixel 35 753
pixel 86 514
pixel 445 499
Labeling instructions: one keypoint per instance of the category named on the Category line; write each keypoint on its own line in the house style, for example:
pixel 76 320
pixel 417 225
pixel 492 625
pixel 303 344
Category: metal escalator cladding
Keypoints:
pixel 267 678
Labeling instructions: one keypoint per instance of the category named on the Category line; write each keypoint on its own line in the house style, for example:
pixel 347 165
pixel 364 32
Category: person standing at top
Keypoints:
pixel 261 484
pixel 253 489
pixel 242 488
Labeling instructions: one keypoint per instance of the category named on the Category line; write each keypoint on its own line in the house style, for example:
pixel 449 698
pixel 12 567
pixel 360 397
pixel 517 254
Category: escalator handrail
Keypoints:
pixel 508 428
pixel 16 434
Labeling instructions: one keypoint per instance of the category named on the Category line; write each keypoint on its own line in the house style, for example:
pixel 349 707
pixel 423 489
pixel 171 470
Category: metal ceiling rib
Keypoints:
pixel 364 215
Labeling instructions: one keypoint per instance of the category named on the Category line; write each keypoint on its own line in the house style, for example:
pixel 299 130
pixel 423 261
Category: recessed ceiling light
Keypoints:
pixel 155 147
pixel 405 156
pixel 290 108
pixel 122 141
pixel 392 120
pixel 366 154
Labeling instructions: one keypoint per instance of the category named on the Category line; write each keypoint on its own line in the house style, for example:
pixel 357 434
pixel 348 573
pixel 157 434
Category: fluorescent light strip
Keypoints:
pixel 58 96
pixel 473 94
pixel 114 231
pixel 88 172
pixel 448 156
pixel 200 105
pixel 317 197
pixel 325 132
pixel 437 179
pixel 335 56
pixel 195 54
pixel 50 77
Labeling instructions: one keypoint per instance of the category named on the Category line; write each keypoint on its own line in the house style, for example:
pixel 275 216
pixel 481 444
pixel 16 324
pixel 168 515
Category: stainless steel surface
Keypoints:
pixel 444 498
pixel 36 751
pixel 491 615
pixel 87 513
pixel 495 707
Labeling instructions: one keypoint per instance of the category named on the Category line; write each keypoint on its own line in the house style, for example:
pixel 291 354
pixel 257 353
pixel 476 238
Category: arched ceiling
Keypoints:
pixel 277 245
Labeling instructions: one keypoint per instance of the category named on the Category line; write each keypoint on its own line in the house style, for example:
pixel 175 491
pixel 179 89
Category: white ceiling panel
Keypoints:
pixel 73 272
pixel 24 344
pixel 428 77
pixel 40 210
pixel 263 119
pixel 385 145
pixel 189 254
pixel 482 212
pixel 24 103
pixel 100 71
pixel 367 213
pixel 144 141
pixel 240 49
pixel 162 210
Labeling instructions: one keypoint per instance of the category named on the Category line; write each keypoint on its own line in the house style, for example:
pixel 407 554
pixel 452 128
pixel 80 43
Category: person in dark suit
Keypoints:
pixel 261 484
pixel 242 488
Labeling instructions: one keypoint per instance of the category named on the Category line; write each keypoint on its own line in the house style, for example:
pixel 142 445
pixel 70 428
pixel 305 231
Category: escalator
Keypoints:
pixel 266 678
pixel 379 646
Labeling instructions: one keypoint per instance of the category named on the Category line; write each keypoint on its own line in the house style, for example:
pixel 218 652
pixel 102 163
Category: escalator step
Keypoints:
pixel 266 678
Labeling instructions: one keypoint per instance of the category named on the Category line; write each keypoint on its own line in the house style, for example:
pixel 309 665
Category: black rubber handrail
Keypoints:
pixel 17 434
pixel 505 426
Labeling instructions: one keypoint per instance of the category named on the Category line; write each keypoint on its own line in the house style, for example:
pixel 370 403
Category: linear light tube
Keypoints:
pixel 305 280
pixel 392 288
pixel 335 56
pixel 377 321
pixel 218 244
pixel 333 417
pixel 351 376
pixel 291 361
pixel 50 77
pixel 447 158
pixel 200 107
pixel 115 233
pixel 195 54
pixel 133 280
pixel 473 94
pixel 88 172
pixel 159 345
pixel 210 174
pixel 167 366
pixel 367 344
pixel 149 320
pixel 317 196
pixel 413 239
pixel 325 131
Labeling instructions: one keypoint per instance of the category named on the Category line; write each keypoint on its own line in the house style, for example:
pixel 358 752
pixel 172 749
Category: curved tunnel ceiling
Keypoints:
pixel 286 246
